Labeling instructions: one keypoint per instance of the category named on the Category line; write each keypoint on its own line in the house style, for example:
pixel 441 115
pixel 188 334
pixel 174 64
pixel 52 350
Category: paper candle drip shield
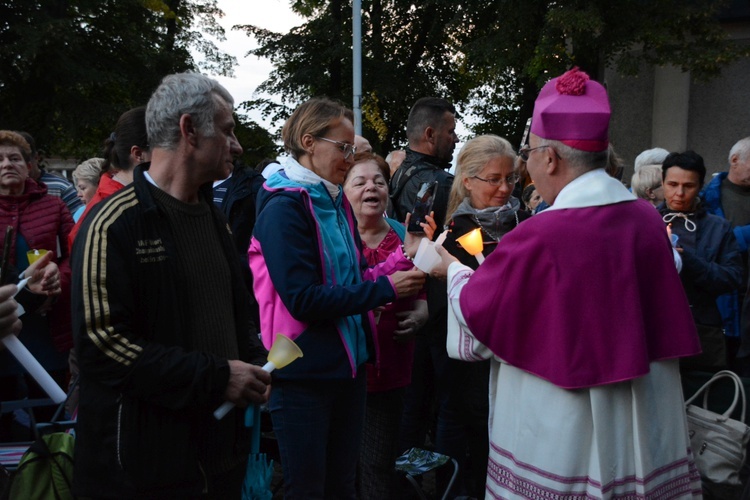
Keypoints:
pixel 35 255
pixel 283 351
pixel 473 244
pixel 427 256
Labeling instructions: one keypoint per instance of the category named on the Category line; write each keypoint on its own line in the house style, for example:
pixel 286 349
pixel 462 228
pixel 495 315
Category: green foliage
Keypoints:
pixel 489 58
pixel 519 45
pixel 256 143
pixel 404 58
pixel 70 68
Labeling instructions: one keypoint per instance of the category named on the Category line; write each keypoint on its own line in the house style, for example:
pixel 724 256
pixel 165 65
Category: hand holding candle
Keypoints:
pixel 283 351
pixel 440 271
pixel 32 366
pixel 10 323
pixel 10 310
pixel 673 238
pixel 34 255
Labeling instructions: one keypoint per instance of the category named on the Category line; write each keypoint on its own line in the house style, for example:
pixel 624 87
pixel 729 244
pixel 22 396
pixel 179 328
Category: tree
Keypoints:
pixel 516 46
pixel 490 58
pixel 71 67
pixel 404 58
pixel 257 143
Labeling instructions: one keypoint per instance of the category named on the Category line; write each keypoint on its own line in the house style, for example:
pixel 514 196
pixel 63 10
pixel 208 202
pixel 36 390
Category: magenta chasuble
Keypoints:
pixel 582 297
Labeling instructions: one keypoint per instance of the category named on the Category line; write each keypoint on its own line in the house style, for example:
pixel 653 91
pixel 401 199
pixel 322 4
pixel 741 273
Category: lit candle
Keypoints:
pixel 472 243
pixel 672 237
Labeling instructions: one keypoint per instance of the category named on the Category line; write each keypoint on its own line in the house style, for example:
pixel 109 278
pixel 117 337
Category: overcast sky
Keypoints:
pixel 275 15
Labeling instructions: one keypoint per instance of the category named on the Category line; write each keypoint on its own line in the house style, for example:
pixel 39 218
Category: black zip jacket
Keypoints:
pixel 416 169
pixel 144 390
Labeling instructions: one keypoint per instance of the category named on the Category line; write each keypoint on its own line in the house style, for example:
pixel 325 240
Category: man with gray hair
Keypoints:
pixel 161 325
pixel 728 196
pixel 584 338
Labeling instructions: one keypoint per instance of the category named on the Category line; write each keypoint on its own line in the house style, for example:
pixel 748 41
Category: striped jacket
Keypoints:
pixel 143 389
pixel 61 188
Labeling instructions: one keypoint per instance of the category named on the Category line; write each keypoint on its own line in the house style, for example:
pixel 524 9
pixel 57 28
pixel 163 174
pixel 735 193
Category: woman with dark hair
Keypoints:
pixel 711 259
pixel 312 284
pixel 124 149
pixel 531 198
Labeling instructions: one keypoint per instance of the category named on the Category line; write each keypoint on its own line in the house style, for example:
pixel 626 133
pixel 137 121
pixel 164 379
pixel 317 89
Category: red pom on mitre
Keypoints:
pixel 572 82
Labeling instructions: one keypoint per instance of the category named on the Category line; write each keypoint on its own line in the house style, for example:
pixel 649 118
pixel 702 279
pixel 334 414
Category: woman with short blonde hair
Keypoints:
pixel 86 179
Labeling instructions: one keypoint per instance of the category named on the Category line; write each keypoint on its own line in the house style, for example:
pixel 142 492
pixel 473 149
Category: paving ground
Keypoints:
pixel 428 485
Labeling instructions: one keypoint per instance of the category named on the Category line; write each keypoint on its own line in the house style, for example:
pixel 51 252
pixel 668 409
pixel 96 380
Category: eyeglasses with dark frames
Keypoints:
pixel 511 180
pixel 524 152
pixel 346 148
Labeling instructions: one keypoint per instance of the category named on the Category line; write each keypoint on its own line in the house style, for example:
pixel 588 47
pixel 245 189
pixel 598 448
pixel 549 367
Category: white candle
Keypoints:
pixel 31 365
pixel 283 351
pixel 222 410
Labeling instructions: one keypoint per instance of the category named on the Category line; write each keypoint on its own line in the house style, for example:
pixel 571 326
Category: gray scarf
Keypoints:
pixel 496 221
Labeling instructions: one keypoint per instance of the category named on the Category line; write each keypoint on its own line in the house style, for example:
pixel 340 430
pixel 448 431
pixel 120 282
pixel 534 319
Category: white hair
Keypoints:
pixel 742 149
pixel 653 156
pixel 89 170
pixel 576 158
pixel 645 178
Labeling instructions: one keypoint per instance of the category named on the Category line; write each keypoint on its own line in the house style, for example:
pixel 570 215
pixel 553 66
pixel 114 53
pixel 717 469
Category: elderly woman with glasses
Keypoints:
pixel 647 184
pixel 480 200
pixel 312 284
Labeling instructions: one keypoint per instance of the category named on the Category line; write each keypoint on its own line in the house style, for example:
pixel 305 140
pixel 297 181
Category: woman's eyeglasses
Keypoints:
pixel 347 149
pixel 511 180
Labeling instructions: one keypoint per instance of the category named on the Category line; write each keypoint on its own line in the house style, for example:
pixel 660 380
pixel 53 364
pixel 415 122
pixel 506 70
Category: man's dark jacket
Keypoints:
pixel 416 169
pixel 239 208
pixel 144 389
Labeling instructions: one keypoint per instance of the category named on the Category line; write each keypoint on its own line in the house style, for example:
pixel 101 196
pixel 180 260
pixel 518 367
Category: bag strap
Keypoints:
pixel 398 227
pixel 739 390
pixel 403 181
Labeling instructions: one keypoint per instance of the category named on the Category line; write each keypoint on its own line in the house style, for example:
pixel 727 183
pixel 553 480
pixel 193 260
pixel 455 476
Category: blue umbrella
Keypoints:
pixel 257 485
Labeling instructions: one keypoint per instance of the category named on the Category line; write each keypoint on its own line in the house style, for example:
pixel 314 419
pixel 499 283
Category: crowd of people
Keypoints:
pixel 549 370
